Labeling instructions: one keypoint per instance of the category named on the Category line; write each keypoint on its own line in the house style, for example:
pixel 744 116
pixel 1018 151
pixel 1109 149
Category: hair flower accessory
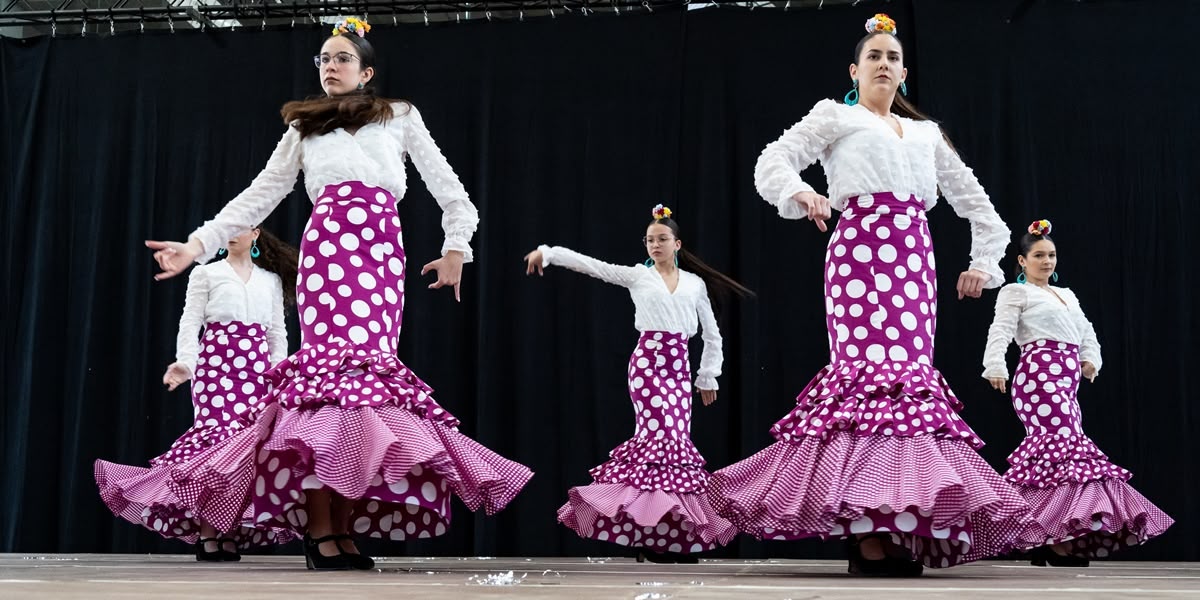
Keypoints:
pixel 351 25
pixel 881 23
pixel 1040 227
pixel 660 212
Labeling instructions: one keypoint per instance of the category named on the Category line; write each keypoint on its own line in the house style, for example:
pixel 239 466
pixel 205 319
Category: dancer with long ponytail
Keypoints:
pixel 651 494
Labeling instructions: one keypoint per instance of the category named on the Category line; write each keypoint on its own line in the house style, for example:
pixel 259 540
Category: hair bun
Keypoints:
pixel 881 23
pixel 351 25
pixel 1040 227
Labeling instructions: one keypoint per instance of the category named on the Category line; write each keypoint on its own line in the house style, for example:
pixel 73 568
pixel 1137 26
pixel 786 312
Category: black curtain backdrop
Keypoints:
pixel 567 131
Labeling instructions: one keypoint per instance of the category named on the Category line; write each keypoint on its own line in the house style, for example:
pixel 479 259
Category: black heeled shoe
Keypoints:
pixel 888 566
pixel 361 562
pixel 314 560
pixel 203 555
pixel 227 555
pixel 1044 556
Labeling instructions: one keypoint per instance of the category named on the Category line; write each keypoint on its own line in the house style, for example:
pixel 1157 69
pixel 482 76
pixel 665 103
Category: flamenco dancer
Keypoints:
pixel 1082 507
pixel 875 451
pixel 359 446
pixel 650 495
pixel 238 304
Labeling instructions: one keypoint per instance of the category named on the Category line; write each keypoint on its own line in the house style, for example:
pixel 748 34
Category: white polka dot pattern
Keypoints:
pixel 227 387
pixel 226 391
pixel 848 483
pixel 651 492
pixel 875 442
pixel 352 418
pixel 1076 494
pixel 144 497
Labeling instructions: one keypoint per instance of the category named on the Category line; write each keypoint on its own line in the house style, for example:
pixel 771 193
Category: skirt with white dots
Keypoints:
pixel 651 492
pixel 875 443
pixel 1077 495
pixel 352 418
pixel 227 388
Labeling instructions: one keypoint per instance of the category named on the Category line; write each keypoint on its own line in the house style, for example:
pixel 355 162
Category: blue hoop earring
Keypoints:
pixel 851 97
pixel 254 251
pixel 1054 277
pixel 903 89
pixel 1021 277
pixel 220 252
pixel 649 263
pixel 360 85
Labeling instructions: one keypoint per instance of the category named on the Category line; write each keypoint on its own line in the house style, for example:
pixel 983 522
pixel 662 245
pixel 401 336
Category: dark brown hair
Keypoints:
pixel 319 115
pixel 280 258
pixel 720 286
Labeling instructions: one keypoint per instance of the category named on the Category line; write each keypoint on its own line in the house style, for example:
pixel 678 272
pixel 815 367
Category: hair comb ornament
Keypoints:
pixel 881 23
pixel 351 25
pixel 660 212
pixel 1040 227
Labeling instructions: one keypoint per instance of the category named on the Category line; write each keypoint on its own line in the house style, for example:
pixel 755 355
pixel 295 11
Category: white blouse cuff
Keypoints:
pixel 461 244
pixel 993 372
pixel 788 208
pixel 706 382
pixel 992 268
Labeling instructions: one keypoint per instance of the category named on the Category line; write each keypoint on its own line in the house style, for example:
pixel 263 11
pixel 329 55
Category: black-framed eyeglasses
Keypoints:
pixel 341 58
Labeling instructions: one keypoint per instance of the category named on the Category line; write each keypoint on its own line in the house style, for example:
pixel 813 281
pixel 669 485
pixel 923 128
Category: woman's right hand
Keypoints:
pixel 533 262
pixel 998 383
pixel 174 257
pixel 176 374
pixel 816 206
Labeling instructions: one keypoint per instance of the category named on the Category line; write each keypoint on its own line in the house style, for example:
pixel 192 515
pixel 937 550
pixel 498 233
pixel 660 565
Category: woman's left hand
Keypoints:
pixel 449 272
pixel 1089 371
pixel 708 396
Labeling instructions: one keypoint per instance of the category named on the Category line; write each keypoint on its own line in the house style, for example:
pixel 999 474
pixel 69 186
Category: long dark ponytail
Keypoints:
pixel 720 286
pixel 280 258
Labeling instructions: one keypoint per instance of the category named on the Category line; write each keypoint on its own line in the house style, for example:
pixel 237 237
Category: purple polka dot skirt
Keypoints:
pixel 1076 494
pixel 226 391
pixel 351 418
pixel 651 493
pixel 875 443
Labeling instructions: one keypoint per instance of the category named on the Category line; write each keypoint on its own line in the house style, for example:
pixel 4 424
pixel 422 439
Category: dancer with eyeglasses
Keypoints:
pixel 359 447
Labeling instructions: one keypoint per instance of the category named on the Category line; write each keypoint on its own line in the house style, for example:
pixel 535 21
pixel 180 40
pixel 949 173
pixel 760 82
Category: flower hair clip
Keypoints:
pixel 1040 227
pixel 660 212
pixel 351 25
pixel 881 23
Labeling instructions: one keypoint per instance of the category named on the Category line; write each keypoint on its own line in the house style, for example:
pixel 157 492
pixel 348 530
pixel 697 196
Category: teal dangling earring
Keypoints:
pixel 254 251
pixel 852 96
pixel 1021 277
pixel 903 89
pixel 220 252
pixel 676 259
pixel 649 263
pixel 1054 277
